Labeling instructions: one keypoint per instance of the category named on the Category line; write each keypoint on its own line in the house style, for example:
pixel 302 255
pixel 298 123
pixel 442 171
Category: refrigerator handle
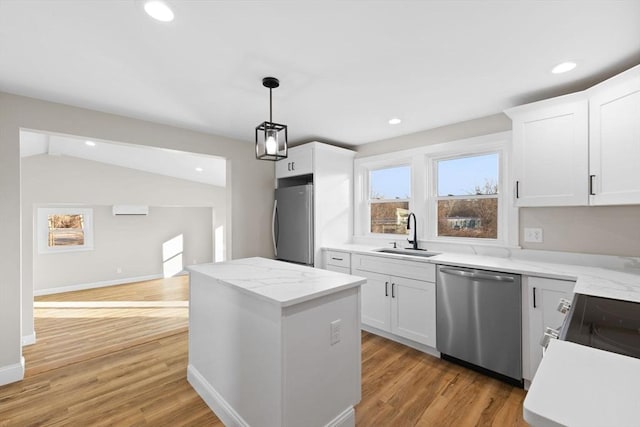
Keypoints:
pixel 274 221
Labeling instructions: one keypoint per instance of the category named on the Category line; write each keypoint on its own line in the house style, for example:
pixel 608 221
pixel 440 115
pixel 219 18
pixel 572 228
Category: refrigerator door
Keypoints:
pixel 294 224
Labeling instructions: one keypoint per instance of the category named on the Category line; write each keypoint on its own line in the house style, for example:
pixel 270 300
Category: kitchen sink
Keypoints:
pixel 410 252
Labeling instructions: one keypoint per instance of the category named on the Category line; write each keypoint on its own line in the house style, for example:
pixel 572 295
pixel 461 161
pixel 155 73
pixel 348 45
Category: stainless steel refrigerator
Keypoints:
pixel 292 226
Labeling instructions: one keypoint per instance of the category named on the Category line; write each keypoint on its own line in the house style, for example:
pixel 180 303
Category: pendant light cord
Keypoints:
pixel 270 107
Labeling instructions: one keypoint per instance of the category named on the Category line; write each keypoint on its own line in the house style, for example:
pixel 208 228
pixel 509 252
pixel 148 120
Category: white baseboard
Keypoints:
pixel 83 286
pixel 12 373
pixel 409 343
pixel 345 419
pixel 29 339
pixel 213 399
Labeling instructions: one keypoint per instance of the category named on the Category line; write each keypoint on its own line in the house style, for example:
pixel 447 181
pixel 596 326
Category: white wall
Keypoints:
pixel 249 185
pixel 132 244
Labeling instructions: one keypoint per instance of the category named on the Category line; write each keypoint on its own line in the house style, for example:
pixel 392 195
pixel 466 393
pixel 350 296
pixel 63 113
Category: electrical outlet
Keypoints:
pixel 335 331
pixel 118 270
pixel 533 235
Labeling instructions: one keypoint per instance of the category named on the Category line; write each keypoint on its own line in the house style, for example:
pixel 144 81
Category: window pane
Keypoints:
pixel 66 230
pixel 389 218
pixel 390 183
pixel 468 175
pixel 468 218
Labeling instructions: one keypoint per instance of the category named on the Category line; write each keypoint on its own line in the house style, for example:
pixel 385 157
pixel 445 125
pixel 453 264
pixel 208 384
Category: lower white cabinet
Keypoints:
pixel 338 261
pixel 399 297
pixel 543 296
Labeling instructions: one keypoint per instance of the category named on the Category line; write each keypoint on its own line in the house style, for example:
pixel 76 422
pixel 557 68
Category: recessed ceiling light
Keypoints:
pixel 90 143
pixel 199 169
pixel 563 67
pixel 395 121
pixel 158 10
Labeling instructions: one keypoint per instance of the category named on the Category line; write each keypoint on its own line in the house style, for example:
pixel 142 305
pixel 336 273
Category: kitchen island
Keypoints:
pixel 275 344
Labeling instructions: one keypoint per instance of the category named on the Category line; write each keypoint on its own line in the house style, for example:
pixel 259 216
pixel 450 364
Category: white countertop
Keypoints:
pixel 277 282
pixel 582 386
pixel 595 281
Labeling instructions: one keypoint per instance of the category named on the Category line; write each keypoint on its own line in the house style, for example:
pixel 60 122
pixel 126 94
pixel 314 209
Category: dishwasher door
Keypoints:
pixel 479 318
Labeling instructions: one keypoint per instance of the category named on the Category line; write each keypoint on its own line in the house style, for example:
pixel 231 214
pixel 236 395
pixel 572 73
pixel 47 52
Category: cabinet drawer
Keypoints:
pixel 410 269
pixel 344 270
pixel 338 259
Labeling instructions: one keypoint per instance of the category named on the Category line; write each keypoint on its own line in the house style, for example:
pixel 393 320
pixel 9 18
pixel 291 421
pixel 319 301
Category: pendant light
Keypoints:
pixel 271 138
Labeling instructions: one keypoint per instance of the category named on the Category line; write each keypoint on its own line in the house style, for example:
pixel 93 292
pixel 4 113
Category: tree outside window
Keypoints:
pixel 389 194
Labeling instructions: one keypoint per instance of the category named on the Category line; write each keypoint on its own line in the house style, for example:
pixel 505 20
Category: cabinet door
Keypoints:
pixel 544 296
pixel 299 161
pixel 614 108
pixel 376 297
pixel 550 143
pixel 413 310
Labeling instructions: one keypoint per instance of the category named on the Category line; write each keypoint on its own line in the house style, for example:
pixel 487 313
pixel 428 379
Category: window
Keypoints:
pixel 64 229
pixel 467 196
pixel 389 194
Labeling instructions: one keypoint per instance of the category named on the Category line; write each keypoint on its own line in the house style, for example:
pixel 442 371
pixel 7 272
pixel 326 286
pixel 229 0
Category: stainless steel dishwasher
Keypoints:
pixel 479 320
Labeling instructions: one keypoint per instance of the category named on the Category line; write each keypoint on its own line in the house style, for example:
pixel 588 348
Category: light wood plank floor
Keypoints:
pixel 118 356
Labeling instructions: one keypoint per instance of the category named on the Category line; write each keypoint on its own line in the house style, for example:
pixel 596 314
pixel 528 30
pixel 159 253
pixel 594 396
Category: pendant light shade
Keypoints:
pixel 271 138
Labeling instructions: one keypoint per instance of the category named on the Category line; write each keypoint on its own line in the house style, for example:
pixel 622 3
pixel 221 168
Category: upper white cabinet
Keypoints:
pixel 330 169
pixel 614 126
pixel 580 149
pixel 299 161
pixel 550 147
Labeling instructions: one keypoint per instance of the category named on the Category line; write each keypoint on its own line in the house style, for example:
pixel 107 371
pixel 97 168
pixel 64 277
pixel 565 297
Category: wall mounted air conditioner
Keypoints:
pixel 130 210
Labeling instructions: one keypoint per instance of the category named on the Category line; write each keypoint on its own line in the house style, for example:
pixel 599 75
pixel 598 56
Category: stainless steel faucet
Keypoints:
pixel 414 242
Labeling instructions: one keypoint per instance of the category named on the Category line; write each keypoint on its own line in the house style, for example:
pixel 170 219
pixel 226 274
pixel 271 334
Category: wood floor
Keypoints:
pixel 118 356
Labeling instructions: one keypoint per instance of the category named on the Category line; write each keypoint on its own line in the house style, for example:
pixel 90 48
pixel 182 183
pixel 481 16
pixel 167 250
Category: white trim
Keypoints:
pixel 83 286
pixel 213 399
pixel 409 343
pixel 346 419
pixel 421 172
pixel 29 339
pixel 12 373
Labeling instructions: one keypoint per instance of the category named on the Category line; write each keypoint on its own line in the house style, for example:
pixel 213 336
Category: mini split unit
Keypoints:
pixel 130 210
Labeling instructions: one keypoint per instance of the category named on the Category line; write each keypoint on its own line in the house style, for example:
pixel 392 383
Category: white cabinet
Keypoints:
pixel 550 147
pixel 541 297
pixel 299 161
pixel 399 297
pixel 338 261
pixel 331 171
pixel 614 120
pixel 580 149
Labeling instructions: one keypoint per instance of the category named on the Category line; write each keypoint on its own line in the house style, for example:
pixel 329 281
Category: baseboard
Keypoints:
pixel 29 339
pixel 409 343
pixel 213 399
pixel 12 373
pixel 102 284
pixel 345 419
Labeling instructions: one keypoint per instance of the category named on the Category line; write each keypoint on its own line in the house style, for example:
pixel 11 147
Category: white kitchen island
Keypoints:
pixel 275 344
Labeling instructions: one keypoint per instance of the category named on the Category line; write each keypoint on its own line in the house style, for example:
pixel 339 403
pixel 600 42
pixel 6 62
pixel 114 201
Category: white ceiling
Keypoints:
pixel 160 161
pixel 346 67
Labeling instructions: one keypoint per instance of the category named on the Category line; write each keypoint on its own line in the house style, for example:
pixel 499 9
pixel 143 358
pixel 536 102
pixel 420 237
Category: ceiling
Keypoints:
pixel 160 161
pixel 345 67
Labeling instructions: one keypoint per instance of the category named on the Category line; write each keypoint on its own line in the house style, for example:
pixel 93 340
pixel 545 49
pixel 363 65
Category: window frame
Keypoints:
pixel 363 194
pixel 433 198
pixel 423 187
pixel 42 229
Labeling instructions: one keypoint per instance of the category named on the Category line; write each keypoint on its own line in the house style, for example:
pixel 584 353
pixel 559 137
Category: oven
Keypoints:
pixel 603 323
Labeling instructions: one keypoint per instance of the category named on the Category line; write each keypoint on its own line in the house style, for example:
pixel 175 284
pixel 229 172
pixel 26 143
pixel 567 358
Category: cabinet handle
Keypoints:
pixel 289 166
pixel 591 193
pixel 517 189
pixel 337 259
pixel 386 289
pixel 293 166
pixel 534 297
pixel 393 293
